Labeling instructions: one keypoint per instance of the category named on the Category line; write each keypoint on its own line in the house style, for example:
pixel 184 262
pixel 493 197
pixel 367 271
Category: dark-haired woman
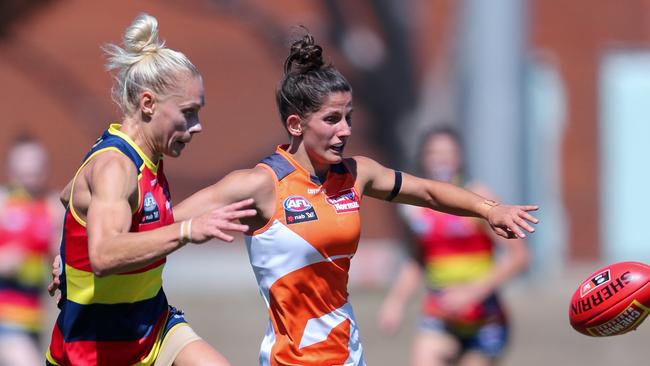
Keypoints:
pixel 308 196
pixel 462 321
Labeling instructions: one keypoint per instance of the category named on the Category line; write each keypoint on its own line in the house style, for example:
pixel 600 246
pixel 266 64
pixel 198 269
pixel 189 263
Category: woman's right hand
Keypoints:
pixel 215 224
pixel 56 280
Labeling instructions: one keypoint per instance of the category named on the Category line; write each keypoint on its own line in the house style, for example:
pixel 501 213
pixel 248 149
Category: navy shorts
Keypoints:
pixel 488 336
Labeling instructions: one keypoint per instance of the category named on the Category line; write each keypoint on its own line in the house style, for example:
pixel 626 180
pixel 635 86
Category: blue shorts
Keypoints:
pixel 488 336
pixel 174 317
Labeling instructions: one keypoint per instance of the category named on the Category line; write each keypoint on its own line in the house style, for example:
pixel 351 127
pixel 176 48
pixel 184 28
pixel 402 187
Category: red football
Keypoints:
pixel 613 300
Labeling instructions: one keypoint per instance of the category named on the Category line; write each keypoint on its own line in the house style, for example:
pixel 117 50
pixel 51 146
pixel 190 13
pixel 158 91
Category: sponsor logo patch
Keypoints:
pixel 627 320
pixel 344 201
pixel 596 281
pixel 298 209
pixel 150 211
pixel 168 196
pixel 595 299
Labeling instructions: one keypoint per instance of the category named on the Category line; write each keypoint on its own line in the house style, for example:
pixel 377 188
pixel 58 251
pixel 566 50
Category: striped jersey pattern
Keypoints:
pixel 116 319
pixel 26 224
pixel 455 250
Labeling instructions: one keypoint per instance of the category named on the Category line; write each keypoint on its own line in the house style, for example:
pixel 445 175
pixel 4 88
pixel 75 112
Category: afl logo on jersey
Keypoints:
pixel 150 212
pixel 298 209
pixel 296 204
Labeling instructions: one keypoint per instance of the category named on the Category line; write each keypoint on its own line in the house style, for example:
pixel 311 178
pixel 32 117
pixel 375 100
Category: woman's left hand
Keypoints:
pixel 509 220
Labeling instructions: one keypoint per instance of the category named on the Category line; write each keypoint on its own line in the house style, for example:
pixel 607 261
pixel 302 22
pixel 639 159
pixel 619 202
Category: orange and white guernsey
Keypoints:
pixel 301 259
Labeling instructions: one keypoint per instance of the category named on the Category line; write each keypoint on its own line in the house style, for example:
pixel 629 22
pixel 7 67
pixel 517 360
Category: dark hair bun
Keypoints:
pixel 304 56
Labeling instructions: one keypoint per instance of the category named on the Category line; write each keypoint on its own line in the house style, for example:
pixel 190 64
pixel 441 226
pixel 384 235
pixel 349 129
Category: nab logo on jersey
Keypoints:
pixel 150 212
pixel 298 209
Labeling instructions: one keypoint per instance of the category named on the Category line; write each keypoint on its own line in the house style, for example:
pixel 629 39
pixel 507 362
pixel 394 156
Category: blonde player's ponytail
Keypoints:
pixel 144 63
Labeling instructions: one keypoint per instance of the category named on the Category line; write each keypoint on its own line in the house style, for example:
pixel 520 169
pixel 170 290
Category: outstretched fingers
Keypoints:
pixel 237 210
pixel 513 228
pixel 502 232
pixel 224 237
pixel 239 205
pixel 527 216
pixel 226 219
pixel 524 224
pixel 231 226
pixel 236 215
pixel 511 221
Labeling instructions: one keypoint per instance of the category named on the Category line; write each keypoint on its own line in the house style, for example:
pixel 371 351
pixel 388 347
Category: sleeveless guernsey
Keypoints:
pixel 116 319
pixel 25 222
pixel 301 260
pixel 454 250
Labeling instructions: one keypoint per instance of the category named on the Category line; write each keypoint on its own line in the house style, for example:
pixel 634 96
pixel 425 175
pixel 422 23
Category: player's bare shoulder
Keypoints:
pixel 359 160
pixel 257 183
pixel 254 181
pixel 110 171
pixel 114 167
pixel 358 164
pixel 364 169
pixel 261 177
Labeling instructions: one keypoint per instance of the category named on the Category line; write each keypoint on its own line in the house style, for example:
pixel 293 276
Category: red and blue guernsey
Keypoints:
pixel 117 319
pixel 26 223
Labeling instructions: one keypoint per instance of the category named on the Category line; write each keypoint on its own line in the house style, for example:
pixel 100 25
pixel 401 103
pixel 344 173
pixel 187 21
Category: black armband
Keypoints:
pixel 396 187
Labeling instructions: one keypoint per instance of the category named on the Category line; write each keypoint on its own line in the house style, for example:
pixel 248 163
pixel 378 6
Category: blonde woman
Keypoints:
pixel 119 226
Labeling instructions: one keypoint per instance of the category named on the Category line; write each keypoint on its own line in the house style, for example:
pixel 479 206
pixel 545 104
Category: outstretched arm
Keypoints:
pixel 256 183
pixel 506 220
pixel 113 249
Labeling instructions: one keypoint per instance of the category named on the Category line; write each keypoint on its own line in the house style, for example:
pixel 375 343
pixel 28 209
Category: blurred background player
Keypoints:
pixel 29 219
pixel 462 321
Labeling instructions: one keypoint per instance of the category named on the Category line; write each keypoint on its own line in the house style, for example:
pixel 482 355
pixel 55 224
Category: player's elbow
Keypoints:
pixel 99 270
pixel 100 265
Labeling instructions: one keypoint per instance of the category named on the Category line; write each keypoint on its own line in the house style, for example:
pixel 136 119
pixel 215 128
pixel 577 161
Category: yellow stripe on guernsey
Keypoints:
pixel 85 288
pixel 33 270
pixel 50 359
pixel 460 268
pixel 155 351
